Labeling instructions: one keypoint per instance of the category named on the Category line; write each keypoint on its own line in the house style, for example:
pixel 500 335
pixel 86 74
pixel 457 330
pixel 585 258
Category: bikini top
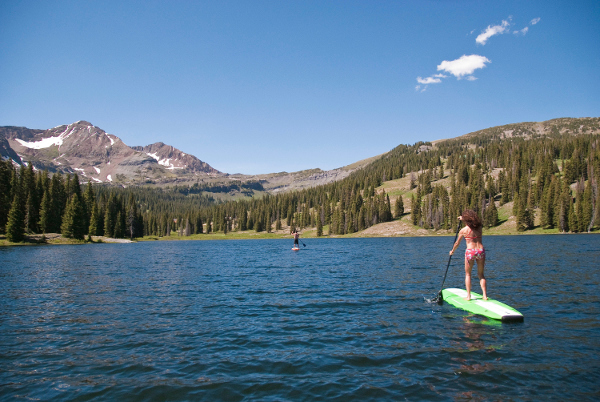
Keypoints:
pixel 472 237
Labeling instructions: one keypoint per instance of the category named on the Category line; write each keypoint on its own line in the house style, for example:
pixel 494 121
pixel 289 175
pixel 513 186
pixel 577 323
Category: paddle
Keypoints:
pixel 439 299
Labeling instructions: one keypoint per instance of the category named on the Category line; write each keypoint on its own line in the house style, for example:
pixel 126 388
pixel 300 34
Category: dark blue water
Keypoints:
pixel 340 320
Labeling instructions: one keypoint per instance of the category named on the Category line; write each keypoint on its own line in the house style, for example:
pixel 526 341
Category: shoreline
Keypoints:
pixel 57 239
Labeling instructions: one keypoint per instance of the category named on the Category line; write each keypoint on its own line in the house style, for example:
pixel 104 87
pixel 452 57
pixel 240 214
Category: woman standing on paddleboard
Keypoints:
pixel 473 234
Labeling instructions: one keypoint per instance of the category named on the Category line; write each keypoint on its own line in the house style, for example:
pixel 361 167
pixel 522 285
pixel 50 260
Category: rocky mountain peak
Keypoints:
pixel 96 155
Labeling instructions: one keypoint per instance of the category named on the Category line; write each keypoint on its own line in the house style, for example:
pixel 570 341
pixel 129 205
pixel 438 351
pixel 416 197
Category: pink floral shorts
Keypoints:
pixel 474 254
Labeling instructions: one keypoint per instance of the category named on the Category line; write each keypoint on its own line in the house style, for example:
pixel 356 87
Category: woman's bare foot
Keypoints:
pixel 467 298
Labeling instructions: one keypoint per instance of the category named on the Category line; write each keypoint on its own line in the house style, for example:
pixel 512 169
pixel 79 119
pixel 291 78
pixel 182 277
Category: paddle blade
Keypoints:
pixel 440 298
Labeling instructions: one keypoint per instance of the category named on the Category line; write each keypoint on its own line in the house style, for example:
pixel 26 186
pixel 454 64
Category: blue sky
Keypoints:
pixel 268 86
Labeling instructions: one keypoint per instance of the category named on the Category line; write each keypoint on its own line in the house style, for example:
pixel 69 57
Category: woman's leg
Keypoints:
pixel 468 269
pixel 482 281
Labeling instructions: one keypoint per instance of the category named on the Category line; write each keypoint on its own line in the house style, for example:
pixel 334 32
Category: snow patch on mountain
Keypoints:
pixel 165 162
pixel 80 170
pixel 45 143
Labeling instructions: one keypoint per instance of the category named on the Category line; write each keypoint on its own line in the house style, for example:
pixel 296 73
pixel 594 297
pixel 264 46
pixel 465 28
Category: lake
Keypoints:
pixel 341 320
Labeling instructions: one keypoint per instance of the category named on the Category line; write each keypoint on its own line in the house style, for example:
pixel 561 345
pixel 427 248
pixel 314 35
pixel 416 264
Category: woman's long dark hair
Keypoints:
pixel 471 219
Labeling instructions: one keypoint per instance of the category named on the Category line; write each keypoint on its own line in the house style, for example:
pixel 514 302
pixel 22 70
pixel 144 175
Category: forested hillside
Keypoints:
pixel 548 171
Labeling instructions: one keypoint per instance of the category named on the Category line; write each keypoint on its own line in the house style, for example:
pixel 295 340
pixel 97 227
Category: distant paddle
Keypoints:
pixel 439 298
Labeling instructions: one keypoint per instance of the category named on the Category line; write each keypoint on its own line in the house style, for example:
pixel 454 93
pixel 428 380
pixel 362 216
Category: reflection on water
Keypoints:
pixel 342 319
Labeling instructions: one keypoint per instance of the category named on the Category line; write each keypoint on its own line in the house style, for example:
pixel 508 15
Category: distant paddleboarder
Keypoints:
pixel 296 235
pixel 473 233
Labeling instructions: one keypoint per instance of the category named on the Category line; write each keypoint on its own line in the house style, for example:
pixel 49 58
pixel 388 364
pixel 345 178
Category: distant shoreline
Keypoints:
pixel 57 239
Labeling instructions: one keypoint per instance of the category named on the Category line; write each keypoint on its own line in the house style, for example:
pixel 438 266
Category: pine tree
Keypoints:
pixel 6 173
pixel 89 200
pixel 399 208
pixel 45 217
pixel 132 218
pixel 523 215
pixel 243 219
pixel 28 214
pixel 581 223
pixel 416 208
pixel 93 227
pixel 119 229
pixel 573 224
pixel 258 227
pixel 530 210
pixel 73 221
pixel 548 199
pixel 564 208
pixel 413 210
pixel 110 216
pixel 30 194
pixel 268 222
pixel 587 207
pixel 15 226
pixel 426 178
pixel 361 219
pixel 290 213
pixel 319 227
pixel 492 213
pixel 57 204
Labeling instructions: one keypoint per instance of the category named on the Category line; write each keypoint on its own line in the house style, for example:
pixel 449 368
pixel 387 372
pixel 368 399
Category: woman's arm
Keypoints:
pixel 460 236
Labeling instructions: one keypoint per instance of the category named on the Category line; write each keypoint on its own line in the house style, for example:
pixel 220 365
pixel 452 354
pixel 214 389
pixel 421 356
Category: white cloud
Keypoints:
pixel 526 29
pixel 428 80
pixel 491 31
pixel 424 82
pixel 522 31
pixel 463 66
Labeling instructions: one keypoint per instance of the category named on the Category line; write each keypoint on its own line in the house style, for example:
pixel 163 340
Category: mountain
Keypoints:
pixel 104 158
pixel 173 159
pixel 530 130
pixel 96 155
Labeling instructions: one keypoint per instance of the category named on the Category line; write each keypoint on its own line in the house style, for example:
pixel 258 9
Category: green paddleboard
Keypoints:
pixel 489 308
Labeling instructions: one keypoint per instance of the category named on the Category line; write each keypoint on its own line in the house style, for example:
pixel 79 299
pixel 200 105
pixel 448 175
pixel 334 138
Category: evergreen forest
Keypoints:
pixel 550 179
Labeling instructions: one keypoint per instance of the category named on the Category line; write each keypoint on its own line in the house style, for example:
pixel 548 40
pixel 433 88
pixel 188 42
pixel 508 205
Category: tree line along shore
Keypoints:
pixel 543 184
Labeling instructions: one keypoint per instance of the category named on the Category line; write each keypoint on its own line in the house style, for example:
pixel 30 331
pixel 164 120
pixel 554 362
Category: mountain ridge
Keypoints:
pixel 95 154
pixel 101 157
